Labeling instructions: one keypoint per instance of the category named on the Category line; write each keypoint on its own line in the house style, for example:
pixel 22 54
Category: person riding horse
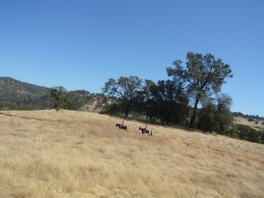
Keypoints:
pixel 121 126
pixel 146 128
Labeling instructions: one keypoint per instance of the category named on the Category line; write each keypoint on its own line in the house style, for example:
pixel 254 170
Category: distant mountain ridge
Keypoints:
pixel 11 85
pixel 15 94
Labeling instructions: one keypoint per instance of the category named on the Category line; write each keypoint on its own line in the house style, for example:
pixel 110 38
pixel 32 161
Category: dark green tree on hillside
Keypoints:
pixel 141 105
pixel 168 102
pixel 125 89
pixel 216 117
pixel 223 117
pixel 206 115
pixel 74 100
pixel 203 74
pixel 262 137
pixel 1 106
pixel 59 95
pixel 247 133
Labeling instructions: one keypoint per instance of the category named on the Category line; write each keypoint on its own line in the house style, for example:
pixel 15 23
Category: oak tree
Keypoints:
pixel 203 74
pixel 125 90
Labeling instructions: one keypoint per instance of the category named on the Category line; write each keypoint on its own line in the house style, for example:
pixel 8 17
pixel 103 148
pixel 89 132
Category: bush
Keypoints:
pixel 247 133
pixel 1 106
pixel 233 133
pixel 262 137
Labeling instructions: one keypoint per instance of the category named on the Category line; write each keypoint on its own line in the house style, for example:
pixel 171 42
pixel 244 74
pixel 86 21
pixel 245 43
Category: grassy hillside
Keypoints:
pixel 255 125
pixel 51 153
pixel 15 94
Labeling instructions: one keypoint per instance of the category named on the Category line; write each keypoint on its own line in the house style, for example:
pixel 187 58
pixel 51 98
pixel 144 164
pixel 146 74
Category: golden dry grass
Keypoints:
pixel 244 121
pixel 81 154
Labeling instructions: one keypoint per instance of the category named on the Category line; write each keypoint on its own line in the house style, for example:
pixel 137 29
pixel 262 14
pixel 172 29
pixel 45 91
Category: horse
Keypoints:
pixel 121 127
pixel 143 130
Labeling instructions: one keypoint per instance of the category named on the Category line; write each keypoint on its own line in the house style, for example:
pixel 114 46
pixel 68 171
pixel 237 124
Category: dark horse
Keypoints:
pixel 143 130
pixel 121 127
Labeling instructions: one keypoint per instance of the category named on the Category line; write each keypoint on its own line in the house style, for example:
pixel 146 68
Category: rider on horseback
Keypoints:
pixel 146 128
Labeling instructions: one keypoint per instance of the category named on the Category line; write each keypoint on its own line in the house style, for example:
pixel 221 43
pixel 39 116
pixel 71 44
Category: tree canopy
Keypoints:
pixel 203 74
pixel 125 89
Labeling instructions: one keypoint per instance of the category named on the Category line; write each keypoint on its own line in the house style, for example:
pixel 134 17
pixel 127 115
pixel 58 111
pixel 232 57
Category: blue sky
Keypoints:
pixel 81 44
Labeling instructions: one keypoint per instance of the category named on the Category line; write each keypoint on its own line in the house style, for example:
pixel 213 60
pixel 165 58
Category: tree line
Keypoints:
pixel 190 97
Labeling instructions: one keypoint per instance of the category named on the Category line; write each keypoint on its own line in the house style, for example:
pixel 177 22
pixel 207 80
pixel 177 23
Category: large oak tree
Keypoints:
pixel 203 74
pixel 125 89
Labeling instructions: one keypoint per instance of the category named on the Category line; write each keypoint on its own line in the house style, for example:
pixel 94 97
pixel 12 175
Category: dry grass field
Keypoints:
pixel 244 121
pixel 49 154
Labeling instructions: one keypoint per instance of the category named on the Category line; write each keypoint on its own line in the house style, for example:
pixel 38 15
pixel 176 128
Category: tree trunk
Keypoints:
pixel 128 109
pixel 168 117
pixel 194 113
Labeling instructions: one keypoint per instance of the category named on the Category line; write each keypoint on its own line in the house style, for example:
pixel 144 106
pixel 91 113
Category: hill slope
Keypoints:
pixel 15 94
pixel 253 124
pixel 81 154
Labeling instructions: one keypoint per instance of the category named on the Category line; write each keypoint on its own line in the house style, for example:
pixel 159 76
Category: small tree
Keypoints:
pixel 206 115
pixel 223 117
pixel 59 96
pixel 74 100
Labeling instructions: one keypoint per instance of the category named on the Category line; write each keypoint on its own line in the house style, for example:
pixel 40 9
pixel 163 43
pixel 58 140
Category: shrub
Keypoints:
pixel 1 106
pixel 233 133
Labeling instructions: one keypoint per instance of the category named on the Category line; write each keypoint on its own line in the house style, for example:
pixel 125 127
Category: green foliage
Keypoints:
pixel 1 106
pixel 206 116
pixel 141 105
pixel 224 118
pixel 112 109
pixel 74 101
pixel 247 133
pixel 59 96
pixel 17 95
pixel 262 137
pixel 238 114
pixel 233 133
pixel 125 89
pixel 216 117
pixel 203 76
pixel 167 102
